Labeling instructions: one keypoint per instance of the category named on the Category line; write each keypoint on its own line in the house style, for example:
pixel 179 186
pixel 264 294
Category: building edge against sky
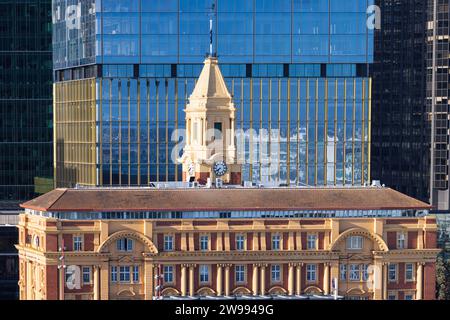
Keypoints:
pixel 298 70
pixel 25 101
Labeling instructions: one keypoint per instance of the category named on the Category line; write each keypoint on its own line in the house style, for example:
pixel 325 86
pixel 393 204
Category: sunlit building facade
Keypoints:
pixel 147 243
pixel 298 70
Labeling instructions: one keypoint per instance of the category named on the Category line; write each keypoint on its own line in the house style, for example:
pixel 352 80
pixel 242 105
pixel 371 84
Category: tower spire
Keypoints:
pixel 212 15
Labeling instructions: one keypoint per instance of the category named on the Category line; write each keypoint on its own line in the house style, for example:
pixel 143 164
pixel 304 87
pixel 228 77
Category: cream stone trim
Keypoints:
pixel 276 289
pixel 360 232
pixel 241 289
pixel 127 234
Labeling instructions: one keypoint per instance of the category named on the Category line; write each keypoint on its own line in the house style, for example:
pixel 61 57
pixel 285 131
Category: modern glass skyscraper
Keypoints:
pixel 299 72
pixel 25 100
pixel 400 126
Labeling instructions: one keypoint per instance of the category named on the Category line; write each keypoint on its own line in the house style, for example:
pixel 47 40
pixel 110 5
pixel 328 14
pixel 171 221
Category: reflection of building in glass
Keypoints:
pixel 25 101
pixel 297 69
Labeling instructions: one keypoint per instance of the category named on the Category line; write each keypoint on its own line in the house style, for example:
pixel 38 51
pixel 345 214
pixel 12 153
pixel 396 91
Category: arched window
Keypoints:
pixel 36 241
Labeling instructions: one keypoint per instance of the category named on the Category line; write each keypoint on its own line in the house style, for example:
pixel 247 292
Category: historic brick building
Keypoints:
pixel 376 243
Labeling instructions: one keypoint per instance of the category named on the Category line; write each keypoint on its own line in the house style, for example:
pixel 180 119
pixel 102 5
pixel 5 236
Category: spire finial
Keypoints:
pixel 212 15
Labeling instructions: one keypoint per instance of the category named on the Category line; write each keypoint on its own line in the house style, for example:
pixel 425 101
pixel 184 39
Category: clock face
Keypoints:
pixel 220 168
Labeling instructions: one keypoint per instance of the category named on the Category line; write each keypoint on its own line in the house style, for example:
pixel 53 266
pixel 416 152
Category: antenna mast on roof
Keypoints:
pixel 212 15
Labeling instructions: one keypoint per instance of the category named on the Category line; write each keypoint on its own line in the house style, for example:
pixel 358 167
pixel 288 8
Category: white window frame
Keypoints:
pixel 401 240
pixel 275 273
pixel 240 242
pixel 124 271
pixel 343 272
pixel 204 239
pixel 410 294
pixel 86 271
pixel 412 269
pixel 125 245
pixel 392 267
pixel 365 272
pixel 136 275
pixel 168 242
pixel 354 272
pixel 78 243
pixel 168 275
pixel 311 241
pixel 114 274
pixel 276 241
pixel 204 273
pixel 355 243
pixel 311 272
pixel 239 273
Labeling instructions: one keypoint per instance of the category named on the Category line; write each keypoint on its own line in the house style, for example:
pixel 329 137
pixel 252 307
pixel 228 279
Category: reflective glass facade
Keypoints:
pixel 299 71
pixel 25 100
pixel 9 263
pixel 400 128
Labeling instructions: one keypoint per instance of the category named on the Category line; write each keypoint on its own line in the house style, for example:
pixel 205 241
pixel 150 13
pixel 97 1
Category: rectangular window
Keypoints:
pixel 204 243
pixel 218 130
pixel 409 272
pixel 135 273
pixel 124 274
pixel 168 274
pixel 240 242
pixel 409 297
pixel 392 273
pixel 125 244
pixel 86 275
pixel 113 274
pixel 204 274
pixel 239 271
pixel 77 243
pixel 168 243
pixel 401 240
pixel 355 243
pixel 343 271
pixel 392 296
pixel 276 242
pixel 311 272
pixel 312 242
pixel 354 272
pixel 276 273
pixel 365 272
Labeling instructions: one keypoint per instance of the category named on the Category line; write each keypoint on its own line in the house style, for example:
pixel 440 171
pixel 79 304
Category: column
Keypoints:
pixel 96 283
pixel 104 281
pixel 291 280
pixel 227 280
pixel 326 279
pixel 419 281
pixel 291 241
pixel 219 280
pixel 385 282
pixel 378 281
pixel 263 279
pixel 298 286
pixel 255 241
pixel 183 280
pixel 148 280
pixel 255 280
pixel 191 280
pixel 61 282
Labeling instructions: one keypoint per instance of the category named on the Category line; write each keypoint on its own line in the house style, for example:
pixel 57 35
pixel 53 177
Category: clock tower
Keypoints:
pixel 210 150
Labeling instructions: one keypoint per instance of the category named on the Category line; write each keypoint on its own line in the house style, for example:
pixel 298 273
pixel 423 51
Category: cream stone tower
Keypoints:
pixel 210 150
